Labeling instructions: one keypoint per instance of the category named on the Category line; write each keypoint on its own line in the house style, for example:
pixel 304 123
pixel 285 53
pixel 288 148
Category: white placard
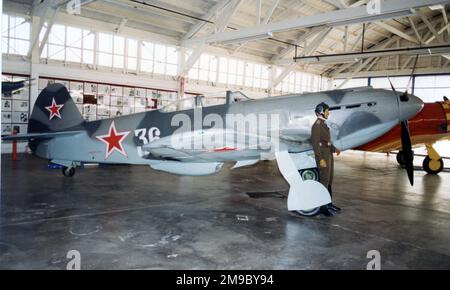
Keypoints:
pixel 6 105
pixel 90 88
pixel 6 117
pixel 116 91
pixel 20 106
pixel 6 129
pixel 103 100
pixel 140 92
pixel 76 86
pixel 129 92
pixel 104 89
pixel 20 117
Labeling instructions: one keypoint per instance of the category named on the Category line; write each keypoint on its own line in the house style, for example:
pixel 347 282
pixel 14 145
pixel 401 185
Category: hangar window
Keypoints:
pixel 88 46
pixel 290 84
pixel 231 71
pixel 132 53
pixel 300 82
pixel 205 68
pixel 67 43
pixel 147 56
pixel 74 44
pixel 111 50
pixel 15 35
pixel 105 49
pixel 400 83
pixel 350 83
pixel 119 52
pixel 158 58
pixel 256 75
pixel 432 88
pixel 171 61
pixel 56 42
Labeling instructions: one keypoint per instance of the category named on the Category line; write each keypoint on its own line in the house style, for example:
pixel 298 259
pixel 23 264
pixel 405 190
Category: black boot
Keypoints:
pixel 331 205
pixel 326 210
pixel 334 207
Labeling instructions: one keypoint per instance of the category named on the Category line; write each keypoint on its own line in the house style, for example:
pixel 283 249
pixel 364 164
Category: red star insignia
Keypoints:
pixel 54 109
pixel 113 141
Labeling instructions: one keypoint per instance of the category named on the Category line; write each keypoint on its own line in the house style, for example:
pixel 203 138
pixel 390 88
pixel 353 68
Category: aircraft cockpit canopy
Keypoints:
pixel 204 101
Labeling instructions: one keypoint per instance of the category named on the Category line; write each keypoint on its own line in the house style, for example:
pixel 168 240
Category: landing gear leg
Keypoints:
pixel 69 166
pixel 433 163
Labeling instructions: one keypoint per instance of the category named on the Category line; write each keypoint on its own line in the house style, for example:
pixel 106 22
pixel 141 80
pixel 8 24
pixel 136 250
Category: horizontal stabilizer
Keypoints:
pixel 47 135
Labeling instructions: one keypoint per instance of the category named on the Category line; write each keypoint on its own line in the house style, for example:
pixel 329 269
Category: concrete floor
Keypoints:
pixel 132 217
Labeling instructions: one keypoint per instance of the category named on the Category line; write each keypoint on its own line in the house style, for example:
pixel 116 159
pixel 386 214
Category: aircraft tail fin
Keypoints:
pixel 54 111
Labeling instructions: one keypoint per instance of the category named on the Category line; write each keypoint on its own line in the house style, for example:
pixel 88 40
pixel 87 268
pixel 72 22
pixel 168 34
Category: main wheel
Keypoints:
pixel 309 174
pixel 68 171
pixel 401 158
pixel 311 212
pixel 432 166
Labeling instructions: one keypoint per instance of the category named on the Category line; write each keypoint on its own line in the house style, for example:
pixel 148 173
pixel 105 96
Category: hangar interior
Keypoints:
pixel 122 57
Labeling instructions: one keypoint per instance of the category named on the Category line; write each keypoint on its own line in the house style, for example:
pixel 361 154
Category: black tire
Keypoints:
pixel 309 174
pixel 432 166
pixel 401 158
pixel 68 171
pixel 309 213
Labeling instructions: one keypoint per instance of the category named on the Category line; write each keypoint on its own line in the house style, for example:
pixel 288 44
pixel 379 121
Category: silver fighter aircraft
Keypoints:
pixel 198 141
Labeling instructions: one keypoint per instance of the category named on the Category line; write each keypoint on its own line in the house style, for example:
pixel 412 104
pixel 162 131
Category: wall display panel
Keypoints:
pixel 97 101
pixel 116 91
pixel 15 106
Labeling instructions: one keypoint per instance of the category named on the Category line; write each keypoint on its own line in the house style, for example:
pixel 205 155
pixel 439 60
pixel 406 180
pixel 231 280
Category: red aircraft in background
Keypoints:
pixel 432 124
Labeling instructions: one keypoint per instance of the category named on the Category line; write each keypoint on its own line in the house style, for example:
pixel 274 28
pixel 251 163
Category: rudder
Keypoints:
pixel 54 111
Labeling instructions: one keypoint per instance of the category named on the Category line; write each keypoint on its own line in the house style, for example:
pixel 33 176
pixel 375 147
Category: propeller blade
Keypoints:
pixel 404 134
pixel 407 151
pixel 392 86
pixel 393 90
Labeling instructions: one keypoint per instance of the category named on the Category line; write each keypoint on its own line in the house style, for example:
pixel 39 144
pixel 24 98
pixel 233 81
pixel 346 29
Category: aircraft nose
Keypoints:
pixel 411 107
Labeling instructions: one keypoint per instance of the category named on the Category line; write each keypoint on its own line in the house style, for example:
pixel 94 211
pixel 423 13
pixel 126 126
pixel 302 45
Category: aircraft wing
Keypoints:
pixel 47 135
pixel 205 146
pixel 295 134
pixel 222 154
pixel 200 152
